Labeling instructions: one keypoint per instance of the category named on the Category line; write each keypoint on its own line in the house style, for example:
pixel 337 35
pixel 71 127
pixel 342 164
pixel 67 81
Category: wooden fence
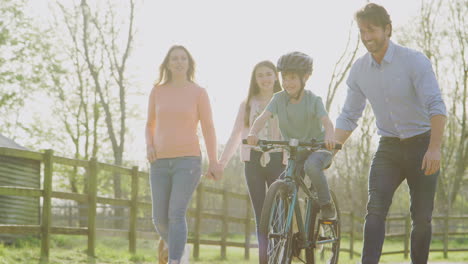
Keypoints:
pixel 92 167
pixel 352 220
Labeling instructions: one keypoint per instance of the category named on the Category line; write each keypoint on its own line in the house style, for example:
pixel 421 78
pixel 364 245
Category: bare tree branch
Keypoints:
pixel 340 71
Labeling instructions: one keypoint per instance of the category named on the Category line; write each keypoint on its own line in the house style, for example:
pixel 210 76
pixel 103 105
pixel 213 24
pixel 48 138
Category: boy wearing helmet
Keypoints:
pixel 302 116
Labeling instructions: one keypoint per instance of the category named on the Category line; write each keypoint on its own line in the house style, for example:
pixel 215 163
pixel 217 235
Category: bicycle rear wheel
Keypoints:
pixel 326 236
pixel 275 241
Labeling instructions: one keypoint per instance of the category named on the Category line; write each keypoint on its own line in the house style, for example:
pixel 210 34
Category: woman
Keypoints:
pixel 261 169
pixel 176 105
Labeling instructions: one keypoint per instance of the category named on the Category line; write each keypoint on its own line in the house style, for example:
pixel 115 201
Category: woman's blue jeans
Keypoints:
pixel 172 182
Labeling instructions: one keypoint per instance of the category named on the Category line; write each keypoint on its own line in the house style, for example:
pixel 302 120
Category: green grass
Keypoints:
pixel 72 249
pixel 398 245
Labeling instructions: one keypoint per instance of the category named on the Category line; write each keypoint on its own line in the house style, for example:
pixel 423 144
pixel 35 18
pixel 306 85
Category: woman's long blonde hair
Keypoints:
pixel 165 74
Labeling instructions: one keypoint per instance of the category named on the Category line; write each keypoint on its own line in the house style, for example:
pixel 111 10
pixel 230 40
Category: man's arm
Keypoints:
pixel 431 160
pixel 342 135
pixel 437 131
pixel 427 88
pixel 352 109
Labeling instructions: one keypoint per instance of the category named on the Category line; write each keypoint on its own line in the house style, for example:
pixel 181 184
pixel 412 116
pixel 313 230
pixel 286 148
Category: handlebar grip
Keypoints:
pixel 337 146
pixel 260 142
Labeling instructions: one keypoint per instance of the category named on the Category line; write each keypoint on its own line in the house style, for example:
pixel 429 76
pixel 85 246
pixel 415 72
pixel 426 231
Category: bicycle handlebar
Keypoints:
pixel 288 143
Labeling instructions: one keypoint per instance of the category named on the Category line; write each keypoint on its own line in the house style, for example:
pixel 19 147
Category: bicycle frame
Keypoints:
pixel 295 181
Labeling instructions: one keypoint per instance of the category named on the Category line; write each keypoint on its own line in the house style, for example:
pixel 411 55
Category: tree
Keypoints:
pixel 458 112
pixel 446 26
pixel 21 70
pixel 342 66
pixel 348 175
pixel 107 66
pixel 95 42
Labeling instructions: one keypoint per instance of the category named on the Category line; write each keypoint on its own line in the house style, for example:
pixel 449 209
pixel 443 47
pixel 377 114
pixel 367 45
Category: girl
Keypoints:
pixel 261 169
pixel 176 105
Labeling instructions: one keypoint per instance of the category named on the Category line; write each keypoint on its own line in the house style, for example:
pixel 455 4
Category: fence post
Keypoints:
pixel 224 229
pixel 70 217
pixel 446 231
pixel 351 236
pixel 92 194
pixel 407 235
pixel 198 213
pixel 133 212
pixel 47 205
pixel 247 230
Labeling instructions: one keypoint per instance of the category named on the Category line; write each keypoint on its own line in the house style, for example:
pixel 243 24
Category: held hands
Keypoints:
pixel 215 171
pixel 431 161
pixel 150 153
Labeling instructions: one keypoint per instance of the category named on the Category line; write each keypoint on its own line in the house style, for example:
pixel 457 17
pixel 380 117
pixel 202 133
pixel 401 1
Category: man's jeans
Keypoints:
pixel 173 182
pixel 395 161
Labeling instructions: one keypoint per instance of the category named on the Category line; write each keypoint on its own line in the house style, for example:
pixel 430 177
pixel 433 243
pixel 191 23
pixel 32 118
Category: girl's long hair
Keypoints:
pixel 254 89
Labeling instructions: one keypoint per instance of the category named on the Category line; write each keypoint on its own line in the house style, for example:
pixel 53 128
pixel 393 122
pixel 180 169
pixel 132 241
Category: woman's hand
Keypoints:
pixel 150 153
pixel 215 171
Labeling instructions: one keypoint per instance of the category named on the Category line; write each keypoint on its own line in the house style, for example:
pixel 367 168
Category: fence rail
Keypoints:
pixel 92 167
pixel 406 234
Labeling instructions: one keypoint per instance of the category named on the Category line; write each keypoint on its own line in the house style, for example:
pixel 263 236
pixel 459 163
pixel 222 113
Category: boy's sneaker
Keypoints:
pixel 327 211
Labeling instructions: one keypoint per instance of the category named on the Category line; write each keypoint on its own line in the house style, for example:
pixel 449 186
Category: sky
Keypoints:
pixel 227 38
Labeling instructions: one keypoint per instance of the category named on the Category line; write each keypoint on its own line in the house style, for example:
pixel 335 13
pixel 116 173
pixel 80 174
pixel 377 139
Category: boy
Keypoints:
pixel 301 116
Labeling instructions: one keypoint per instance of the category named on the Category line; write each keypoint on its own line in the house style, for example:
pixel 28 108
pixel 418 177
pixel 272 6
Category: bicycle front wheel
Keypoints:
pixel 275 241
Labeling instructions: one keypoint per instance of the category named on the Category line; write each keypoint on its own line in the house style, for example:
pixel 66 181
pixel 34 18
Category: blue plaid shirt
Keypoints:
pixel 402 90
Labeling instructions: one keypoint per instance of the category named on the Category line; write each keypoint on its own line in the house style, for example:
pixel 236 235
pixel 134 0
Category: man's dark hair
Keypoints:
pixel 374 14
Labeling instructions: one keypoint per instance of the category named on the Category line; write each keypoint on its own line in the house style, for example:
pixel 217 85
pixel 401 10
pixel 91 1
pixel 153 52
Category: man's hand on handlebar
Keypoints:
pixel 338 148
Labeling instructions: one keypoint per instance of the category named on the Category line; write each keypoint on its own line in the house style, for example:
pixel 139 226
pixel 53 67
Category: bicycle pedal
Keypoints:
pixel 327 221
pixel 322 238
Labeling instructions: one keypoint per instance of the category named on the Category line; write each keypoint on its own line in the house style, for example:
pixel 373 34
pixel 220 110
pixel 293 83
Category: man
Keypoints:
pixel 410 114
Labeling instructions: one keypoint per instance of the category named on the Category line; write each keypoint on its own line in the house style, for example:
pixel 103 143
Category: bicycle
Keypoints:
pixel 319 238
